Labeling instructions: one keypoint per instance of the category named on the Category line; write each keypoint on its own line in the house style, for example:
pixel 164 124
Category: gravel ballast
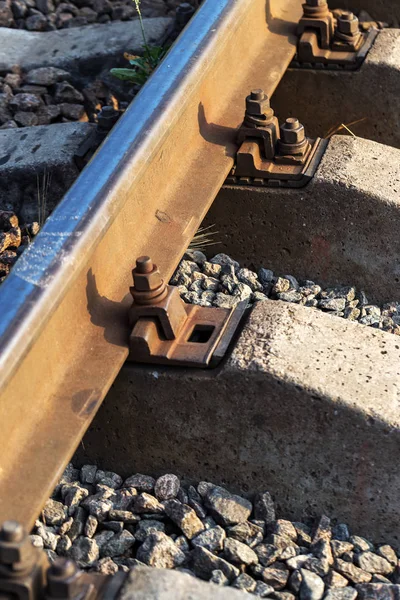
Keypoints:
pixel 221 282
pixel 49 15
pixel 107 524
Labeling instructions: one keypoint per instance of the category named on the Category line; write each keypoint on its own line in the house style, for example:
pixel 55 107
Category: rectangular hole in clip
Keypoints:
pixel 201 334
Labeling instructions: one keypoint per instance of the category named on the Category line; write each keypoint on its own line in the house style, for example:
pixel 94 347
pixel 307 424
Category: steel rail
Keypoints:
pixel 63 321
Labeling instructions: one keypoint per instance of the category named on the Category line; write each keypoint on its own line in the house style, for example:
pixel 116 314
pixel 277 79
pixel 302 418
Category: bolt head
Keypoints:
pixel 63 579
pixel 348 24
pixel 146 282
pixel 292 132
pixel 15 545
pixel 185 8
pixel 257 103
pixel 316 3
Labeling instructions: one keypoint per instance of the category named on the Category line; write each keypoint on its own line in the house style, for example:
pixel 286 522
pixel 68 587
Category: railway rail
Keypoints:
pixel 67 323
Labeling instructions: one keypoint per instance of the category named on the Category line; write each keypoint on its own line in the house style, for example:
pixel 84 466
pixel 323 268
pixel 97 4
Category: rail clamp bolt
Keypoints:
pixel 148 285
pixel 15 545
pixel 348 24
pixel 292 132
pixel 184 13
pixel 63 580
pixel 258 104
pixel 107 118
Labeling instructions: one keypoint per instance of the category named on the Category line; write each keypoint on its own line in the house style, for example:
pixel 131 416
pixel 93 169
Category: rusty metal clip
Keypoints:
pixel 25 573
pixel 326 41
pixel 165 330
pixel 273 156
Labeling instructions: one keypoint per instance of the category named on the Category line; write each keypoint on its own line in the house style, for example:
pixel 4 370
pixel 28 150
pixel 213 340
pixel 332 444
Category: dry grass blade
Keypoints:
pixel 337 128
pixel 42 194
pixel 203 238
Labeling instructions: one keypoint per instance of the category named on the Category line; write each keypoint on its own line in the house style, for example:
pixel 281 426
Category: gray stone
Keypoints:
pixel 78 523
pixel 242 291
pixel 246 532
pixel 72 495
pixel 352 572
pixel 114 526
pixel 184 517
pixel 335 580
pixel 84 551
pixel 387 552
pixel 322 550
pixel 103 538
pixel 224 260
pixel 361 544
pixel 143 483
pixel 227 508
pixel 158 550
pixel 339 548
pixel 282 596
pixel 182 543
pixel 290 296
pixel 74 112
pixel 285 528
pixel 380 579
pixel 211 539
pixel 294 581
pixel 264 508
pixel 37 541
pixel 322 529
pixel 88 472
pixel 344 593
pixel 378 591
pixel 204 563
pixel 145 528
pixel 372 563
pixel 98 506
pixel 166 487
pixel 63 545
pixel 65 92
pixel 276 575
pixel 90 526
pixel 49 76
pixel 332 304
pixel 26 119
pixel 244 582
pixel 303 534
pixel 218 578
pixel 119 544
pixel 297 562
pixel 267 554
pixel 106 566
pixel 36 22
pixel 250 279
pixel 211 269
pixel 123 499
pixel 49 537
pixel 125 516
pixel 54 513
pixel 25 102
pixel 70 474
pixel 312 586
pixel 281 285
pixel 146 503
pixel 225 301
pixel 262 589
pixel 239 553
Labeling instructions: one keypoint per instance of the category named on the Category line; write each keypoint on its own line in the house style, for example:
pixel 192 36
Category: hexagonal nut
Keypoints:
pixel 64 587
pixel 292 135
pixel 145 282
pixel 16 552
pixel 348 26
pixel 258 107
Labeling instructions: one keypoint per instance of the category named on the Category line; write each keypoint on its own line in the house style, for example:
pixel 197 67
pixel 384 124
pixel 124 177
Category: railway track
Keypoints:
pixel 183 153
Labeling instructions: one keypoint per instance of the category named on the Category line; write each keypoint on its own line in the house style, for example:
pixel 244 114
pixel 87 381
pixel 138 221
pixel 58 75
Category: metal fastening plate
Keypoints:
pixel 201 341
pixel 311 56
pixel 252 169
